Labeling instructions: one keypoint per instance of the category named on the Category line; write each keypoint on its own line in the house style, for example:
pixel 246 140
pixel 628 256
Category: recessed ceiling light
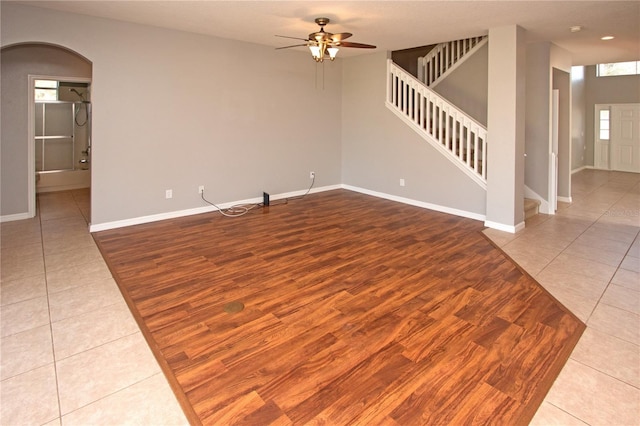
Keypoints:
pixel 575 28
pixel 607 38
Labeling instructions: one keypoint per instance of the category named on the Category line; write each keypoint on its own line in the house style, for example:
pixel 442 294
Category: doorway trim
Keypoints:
pixel 553 152
pixel 31 116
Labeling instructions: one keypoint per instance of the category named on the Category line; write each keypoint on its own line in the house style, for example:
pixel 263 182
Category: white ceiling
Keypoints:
pixel 390 25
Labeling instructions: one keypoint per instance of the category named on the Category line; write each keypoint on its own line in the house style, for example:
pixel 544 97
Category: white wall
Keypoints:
pixel 174 110
pixel 378 149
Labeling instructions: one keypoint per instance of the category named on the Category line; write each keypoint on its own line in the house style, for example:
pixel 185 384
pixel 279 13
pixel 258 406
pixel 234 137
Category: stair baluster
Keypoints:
pixel 459 137
pixel 443 58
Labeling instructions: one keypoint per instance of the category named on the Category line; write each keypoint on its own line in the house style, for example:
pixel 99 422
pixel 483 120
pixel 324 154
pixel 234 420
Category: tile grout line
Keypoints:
pixel 56 360
pixel 619 263
pixel 605 373
pixel 46 288
pixel 609 282
pixel 568 413
pixel 583 232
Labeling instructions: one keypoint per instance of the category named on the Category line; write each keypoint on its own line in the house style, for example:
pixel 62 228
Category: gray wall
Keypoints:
pixel 578 117
pixel 562 82
pixel 506 126
pixel 17 63
pixel 467 85
pixel 605 90
pixel 542 59
pixel 378 149
pixel 538 112
pixel 173 110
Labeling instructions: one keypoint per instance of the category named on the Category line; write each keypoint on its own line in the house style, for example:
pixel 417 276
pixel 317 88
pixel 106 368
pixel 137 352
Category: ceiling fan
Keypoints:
pixel 322 43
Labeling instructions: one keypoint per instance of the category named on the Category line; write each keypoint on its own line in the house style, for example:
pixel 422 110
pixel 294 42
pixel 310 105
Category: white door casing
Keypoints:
pixel 553 153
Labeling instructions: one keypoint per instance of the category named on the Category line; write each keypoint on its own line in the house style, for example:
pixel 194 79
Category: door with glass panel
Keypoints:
pixel 602 137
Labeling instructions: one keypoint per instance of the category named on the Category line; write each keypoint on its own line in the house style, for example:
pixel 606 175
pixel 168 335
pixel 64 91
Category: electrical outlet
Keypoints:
pixel 312 175
pixel 168 194
pixel 401 182
pixel 201 189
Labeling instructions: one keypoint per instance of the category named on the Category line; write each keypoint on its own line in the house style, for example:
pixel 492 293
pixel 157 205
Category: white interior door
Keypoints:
pixel 602 137
pixel 625 137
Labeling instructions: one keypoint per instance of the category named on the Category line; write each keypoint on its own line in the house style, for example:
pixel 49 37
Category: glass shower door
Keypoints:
pixel 54 136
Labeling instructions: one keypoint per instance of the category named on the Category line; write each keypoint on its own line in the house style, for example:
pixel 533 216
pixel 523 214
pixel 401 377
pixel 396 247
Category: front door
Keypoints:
pixel 625 137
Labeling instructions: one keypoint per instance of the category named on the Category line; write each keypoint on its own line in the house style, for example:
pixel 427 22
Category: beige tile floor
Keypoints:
pixel 588 257
pixel 70 351
pixel 72 354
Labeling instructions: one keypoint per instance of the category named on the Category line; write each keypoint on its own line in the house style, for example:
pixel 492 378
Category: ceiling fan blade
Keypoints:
pixel 295 38
pixel 340 36
pixel 352 44
pixel 294 45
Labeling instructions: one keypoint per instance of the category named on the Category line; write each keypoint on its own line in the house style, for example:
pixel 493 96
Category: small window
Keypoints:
pixel 46 90
pixel 604 124
pixel 618 68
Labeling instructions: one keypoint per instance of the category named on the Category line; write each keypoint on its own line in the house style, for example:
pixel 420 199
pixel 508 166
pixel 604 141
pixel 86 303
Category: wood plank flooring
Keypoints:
pixel 357 311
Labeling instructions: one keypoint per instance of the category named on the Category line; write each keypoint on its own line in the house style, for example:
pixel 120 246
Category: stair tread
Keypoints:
pixel 530 207
pixel 531 203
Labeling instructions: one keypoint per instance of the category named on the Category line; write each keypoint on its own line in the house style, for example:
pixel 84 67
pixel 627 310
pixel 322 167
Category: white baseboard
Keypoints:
pixel 502 227
pixel 198 210
pixel 13 217
pixel 147 219
pixel 565 199
pixel 579 169
pixel 429 206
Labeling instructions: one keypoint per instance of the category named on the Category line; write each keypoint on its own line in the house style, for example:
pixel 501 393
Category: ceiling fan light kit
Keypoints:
pixel 323 44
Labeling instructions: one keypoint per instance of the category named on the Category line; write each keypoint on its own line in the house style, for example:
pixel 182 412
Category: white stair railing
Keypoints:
pixel 442 59
pixel 459 137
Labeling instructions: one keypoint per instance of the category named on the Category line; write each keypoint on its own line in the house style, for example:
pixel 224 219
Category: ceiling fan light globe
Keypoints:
pixel 333 51
pixel 315 51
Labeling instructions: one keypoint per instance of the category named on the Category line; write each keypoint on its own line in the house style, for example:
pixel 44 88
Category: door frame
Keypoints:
pixel 553 152
pixel 31 122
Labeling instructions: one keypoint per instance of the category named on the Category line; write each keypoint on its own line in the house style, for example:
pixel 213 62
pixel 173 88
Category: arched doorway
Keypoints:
pixel 23 66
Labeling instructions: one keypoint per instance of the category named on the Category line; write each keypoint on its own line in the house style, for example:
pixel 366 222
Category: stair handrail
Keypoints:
pixel 445 57
pixel 458 136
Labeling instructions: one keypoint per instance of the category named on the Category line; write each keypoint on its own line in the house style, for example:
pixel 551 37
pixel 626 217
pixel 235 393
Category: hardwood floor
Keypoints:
pixel 357 311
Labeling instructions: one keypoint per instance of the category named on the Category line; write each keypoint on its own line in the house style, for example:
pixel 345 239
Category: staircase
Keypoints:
pixel 445 57
pixel 531 207
pixel 457 136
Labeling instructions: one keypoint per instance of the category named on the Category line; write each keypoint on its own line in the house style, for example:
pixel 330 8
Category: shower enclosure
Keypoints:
pixel 62 136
